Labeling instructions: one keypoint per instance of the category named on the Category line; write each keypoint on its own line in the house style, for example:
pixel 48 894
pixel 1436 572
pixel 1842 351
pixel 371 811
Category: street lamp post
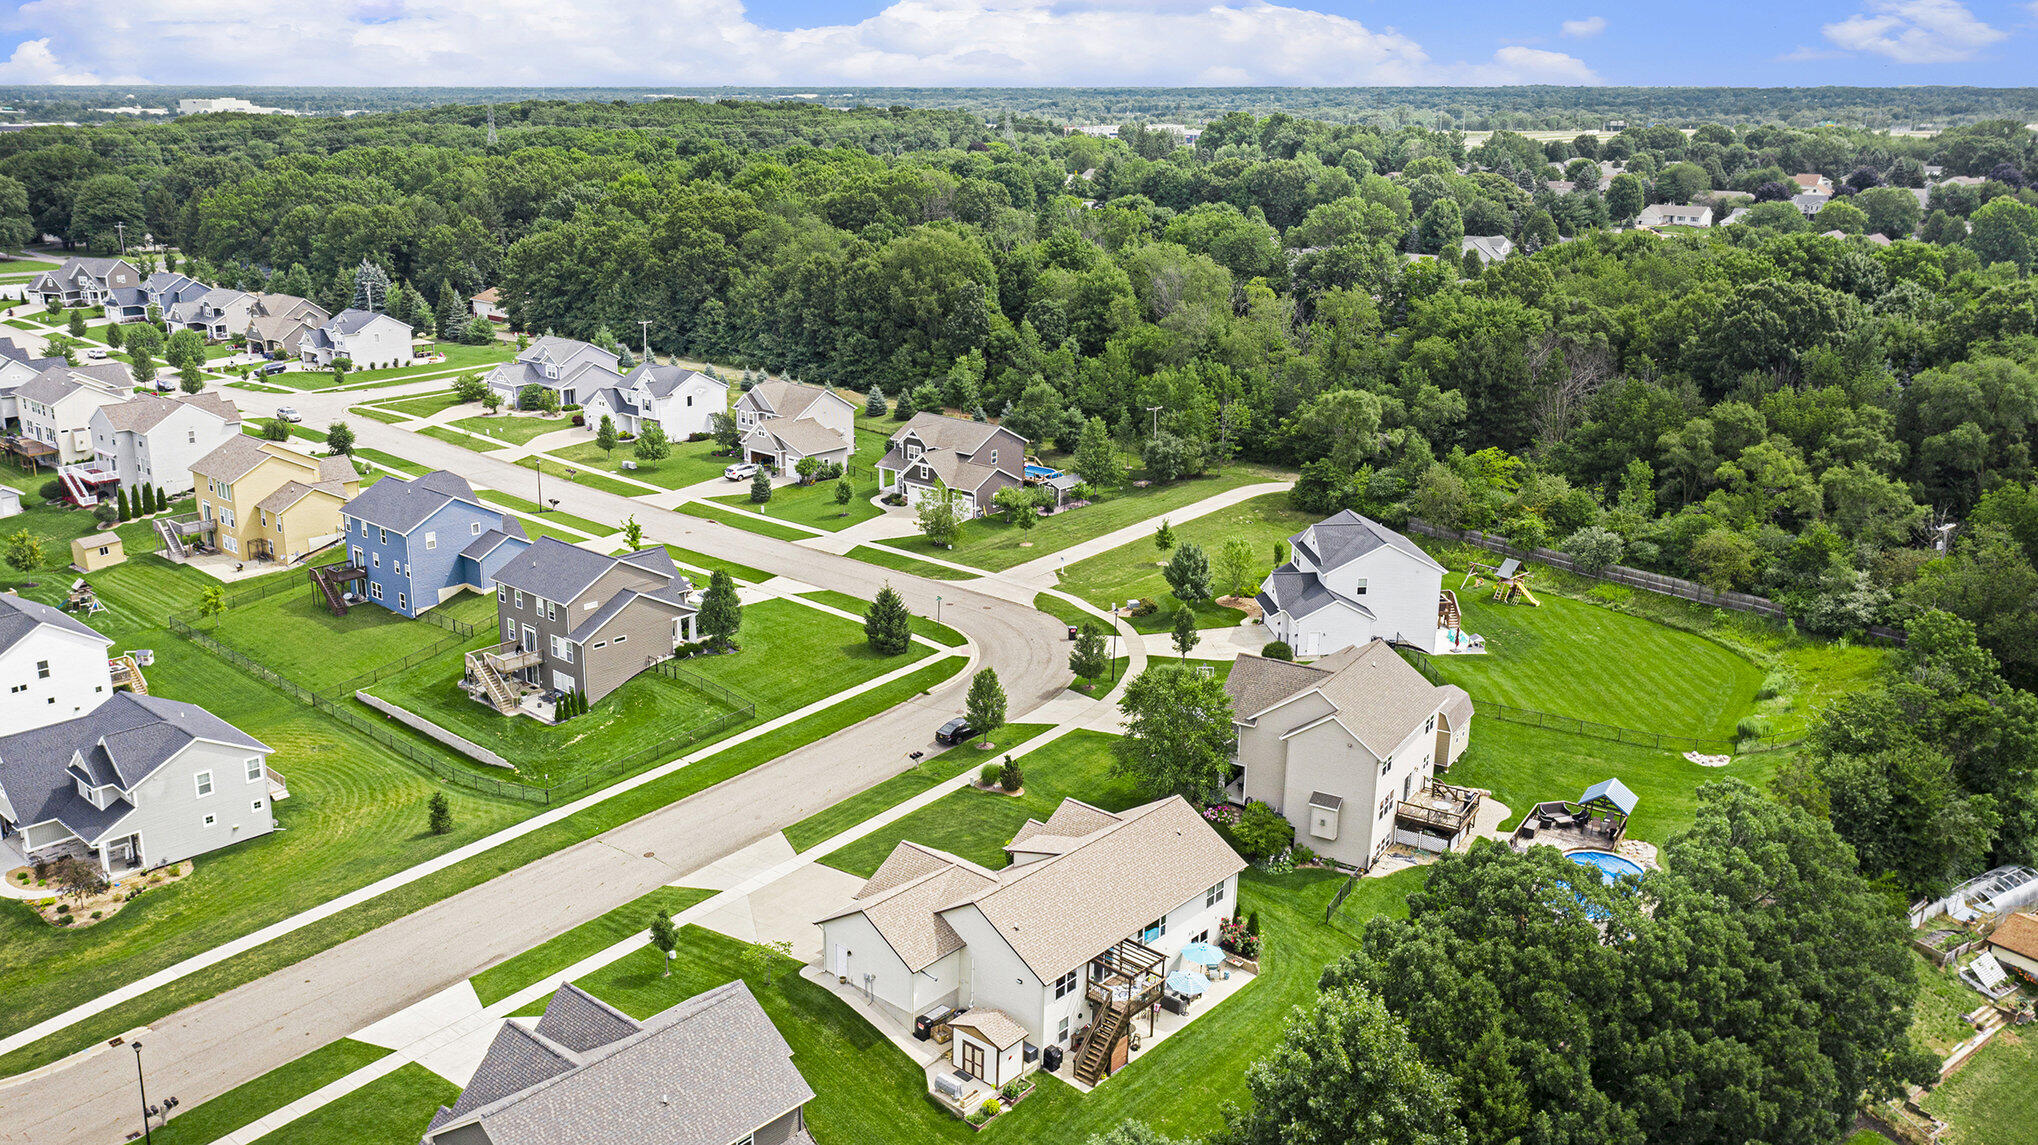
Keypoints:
pixel 1114 643
pixel 937 612
pixel 1156 412
pixel 143 1086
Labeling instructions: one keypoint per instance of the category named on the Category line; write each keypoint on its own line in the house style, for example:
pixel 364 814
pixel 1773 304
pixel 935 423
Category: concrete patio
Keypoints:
pixel 1159 1024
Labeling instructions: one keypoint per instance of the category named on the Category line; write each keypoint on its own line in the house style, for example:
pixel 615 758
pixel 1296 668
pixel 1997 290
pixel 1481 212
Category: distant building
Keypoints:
pixel 1491 248
pixel 1813 182
pixel 488 304
pixel 228 104
pixel 371 341
pixel 1350 580
pixel 1674 215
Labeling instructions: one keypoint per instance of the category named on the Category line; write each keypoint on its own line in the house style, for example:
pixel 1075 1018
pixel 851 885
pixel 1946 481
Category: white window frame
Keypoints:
pixel 255 806
pixel 1068 983
pixel 211 820
pixel 1214 895
pixel 431 541
pixel 474 528
pixel 375 589
pixel 202 782
pixel 256 769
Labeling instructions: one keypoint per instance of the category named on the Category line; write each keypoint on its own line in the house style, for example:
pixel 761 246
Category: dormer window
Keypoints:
pixel 551 369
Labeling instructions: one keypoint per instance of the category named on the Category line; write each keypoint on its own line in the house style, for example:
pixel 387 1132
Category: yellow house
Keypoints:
pixel 263 500
pixel 98 551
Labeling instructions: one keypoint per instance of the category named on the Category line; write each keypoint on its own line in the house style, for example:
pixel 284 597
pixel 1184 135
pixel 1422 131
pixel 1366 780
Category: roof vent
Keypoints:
pixel 665 1099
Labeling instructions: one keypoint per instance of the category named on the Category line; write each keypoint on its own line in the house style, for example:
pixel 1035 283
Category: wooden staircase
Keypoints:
pixel 483 667
pixel 1098 1044
pixel 331 581
pixel 1447 611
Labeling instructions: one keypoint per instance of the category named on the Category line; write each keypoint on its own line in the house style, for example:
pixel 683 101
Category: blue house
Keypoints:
pixel 421 541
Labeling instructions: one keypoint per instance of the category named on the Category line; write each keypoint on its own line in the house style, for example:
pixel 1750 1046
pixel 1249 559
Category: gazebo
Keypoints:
pixel 1615 803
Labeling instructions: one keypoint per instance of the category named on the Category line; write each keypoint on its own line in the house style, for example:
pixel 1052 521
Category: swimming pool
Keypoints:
pixel 1041 472
pixel 1611 867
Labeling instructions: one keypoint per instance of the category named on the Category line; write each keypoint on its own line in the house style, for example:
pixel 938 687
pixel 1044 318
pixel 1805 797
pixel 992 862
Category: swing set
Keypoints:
pixel 1510 581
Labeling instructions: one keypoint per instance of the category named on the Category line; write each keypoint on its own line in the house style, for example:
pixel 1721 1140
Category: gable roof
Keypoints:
pixel 1299 594
pixel 145 411
pixel 705 1072
pixel 59 381
pixel 939 431
pixel 2017 934
pixel 557 571
pixel 490 540
pixel 661 380
pixel 786 399
pixel 237 456
pixel 1378 697
pixel 993 1026
pixel 400 506
pixel 1614 792
pixel 803 436
pixel 20 616
pixel 1344 538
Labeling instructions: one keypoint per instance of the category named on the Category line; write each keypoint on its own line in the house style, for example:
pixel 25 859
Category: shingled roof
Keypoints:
pixel 1379 698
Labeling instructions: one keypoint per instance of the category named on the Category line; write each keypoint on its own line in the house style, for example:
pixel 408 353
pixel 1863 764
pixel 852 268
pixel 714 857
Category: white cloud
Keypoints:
pixel 1914 31
pixel 34 63
pixel 687 42
pixel 1592 26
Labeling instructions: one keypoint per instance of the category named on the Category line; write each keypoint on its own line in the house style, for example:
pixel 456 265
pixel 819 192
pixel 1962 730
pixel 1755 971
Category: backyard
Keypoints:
pixel 295 634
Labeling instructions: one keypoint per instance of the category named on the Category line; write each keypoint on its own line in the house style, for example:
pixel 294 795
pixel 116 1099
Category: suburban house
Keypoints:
pixel 1490 248
pixel 570 369
pixel 1674 215
pixel 1078 930
pixel 218 314
pixel 488 304
pixel 17 366
pixel 680 400
pixel 153 439
pixel 573 620
pixel 1812 182
pixel 54 665
pixel 83 282
pixel 263 500
pixel 164 290
pixel 138 781
pixel 370 340
pixel 278 323
pixel 1350 580
pixel 783 422
pixel 418 542
pixel 1809 202
pixel 711 1070
pixel 1347 749
pixel 968 460
pixel 2015 944
pixel 56 407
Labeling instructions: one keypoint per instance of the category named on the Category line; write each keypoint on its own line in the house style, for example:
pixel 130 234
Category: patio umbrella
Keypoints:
pixel 1187 984
pixel 1202 954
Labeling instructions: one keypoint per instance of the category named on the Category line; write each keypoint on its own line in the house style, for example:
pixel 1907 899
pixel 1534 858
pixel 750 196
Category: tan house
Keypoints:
pixel 783 422
pixel 2015 944
pixel 98 551
pixel 263 500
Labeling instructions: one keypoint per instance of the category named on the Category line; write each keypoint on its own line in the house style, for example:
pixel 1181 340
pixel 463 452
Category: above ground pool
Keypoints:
pixel 1041 472
pixel 1611 866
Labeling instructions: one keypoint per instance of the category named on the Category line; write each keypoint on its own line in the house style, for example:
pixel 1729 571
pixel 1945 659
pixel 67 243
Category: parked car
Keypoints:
pixel 273 368
pixel 953 732
pixel 741 471
pixel 289 414
pixel 165 385
pixel 95 352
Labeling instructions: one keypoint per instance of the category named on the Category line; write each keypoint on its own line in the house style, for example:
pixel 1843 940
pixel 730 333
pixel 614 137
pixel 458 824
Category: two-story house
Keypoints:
pixel 370 340
pixel 83 282
pixel 153 440
pixel 783 422
pixel 138 781
pixel 968 461
pixel 1079 928
pixel 711 1070
pixel 163 290
pixel 56 406
pixel 571 369
pixel 278 324
pixel 681 401
pixel 1347 749
pixel 1349 580
pixel 419 542
pixel 574 620
pixel 263 500
pixel 17 366
pixel 219 314
pixel 53 665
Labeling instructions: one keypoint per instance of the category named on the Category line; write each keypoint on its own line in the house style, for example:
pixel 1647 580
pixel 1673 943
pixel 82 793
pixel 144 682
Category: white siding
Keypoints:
pixel 79 679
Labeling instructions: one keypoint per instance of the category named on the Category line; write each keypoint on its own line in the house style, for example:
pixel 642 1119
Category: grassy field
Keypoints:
pixel 293 633
pixel 689 462
pixel 251 1101
pixel 591 937
pixel 922 625
pixel 514 429
pixel 458 357
pixel 387 417
pixel 1990 1099
pixel 391 1110
pixel 977 825
pixel 421 405
pixel 922 776
pixel 906 564
pixel 463 440
pixel 1133 570
pixel 696 560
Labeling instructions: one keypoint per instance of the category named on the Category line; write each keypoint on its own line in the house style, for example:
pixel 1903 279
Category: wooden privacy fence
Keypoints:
pixel 1631 577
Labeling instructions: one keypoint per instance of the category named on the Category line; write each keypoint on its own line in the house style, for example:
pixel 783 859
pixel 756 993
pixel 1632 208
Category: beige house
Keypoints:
pixel 783 422
pixel 98 551
pixel 2015 944
pixel 1347 749
pixel 263 500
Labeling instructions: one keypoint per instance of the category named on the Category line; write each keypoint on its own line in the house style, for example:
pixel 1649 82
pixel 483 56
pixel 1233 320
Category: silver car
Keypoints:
pixel 741 471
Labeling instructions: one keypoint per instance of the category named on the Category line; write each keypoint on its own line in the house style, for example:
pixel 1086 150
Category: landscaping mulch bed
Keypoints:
pixel 76 914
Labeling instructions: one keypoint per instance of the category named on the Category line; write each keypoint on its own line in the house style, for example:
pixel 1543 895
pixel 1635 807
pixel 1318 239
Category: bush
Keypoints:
pixel 1752 727
pixel 1303 856
pixel 107 512
pixel 1593 548
pixel 52 490
pixel 988 777
pixel 1278 650
pixel 1144 606
pixel 1009 776
pixel 1235 936
pixel 1262 833
pixel 1010 1092
pixel 1773 685
pixel 992 1108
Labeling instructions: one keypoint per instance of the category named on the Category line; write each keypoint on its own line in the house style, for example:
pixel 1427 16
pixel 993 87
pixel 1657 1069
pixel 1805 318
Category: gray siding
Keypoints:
pixel 170 814
pixel 647 631
pixel 647 624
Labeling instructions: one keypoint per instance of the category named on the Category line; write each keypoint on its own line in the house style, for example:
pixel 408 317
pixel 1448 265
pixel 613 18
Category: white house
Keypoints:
pixel 56 406
pixel 968 460
pixel 152 440
pixel 1674 215
pixel 370 340
pixel 680 400
pixel 1351 580
pixel 137 781
pixel 488 304
pixel 1347 749
pixel 1078 930
pixel 17 365
pixel 783 422
pixel 1491 248
pixel 53 665
pixel 571 369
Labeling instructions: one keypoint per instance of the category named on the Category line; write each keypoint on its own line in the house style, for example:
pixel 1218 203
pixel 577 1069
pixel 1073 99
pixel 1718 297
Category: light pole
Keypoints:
pixel 1156 412
pixel 645 324
pixel 937 612
pixel 143 1086
pixel 120 229
pixel 1114 643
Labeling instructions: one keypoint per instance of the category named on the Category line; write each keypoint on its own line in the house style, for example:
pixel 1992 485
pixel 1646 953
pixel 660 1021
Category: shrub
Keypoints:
pixel 98 913
pixel 1593 548
pixel 1303 856
pixel 63 908
pixel 992 1108
pixel 107 512
pixel 1262 833
pixel 1773 685
pixel 1009 776
pixel 1010 1092
pixel 988 777
pixel 53 490
pixel 1278 650
pixel 1144 606
pixel 1752 727
pixel 1236 936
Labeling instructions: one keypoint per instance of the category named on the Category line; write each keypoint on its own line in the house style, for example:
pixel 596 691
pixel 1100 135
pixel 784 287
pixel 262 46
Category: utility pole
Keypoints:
pixel 645 323
pixel 1156 412
pixel 120 229
pixel 143 1086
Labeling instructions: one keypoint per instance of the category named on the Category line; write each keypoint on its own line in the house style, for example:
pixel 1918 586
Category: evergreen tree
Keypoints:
pixel 1089 660
pixel 1096 459
pixel 760 486
pixel 371 287
pixel 1188 573
pixel 721 615
pixel 113 335
pixel 295 282
pixel 1164 537
pixel 439 814
pixel 123 505
pixel 874 405
pixel 887 626
pixel 162 499
pixel 985 705
pixel 605 436
pixel 448 314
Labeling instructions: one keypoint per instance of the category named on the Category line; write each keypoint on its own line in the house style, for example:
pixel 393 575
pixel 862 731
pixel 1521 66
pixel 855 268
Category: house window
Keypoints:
pixel 18 688
pixel 402 600
pixel 994 458
pixel 600 644
pixel 620 639
pixel 375 589
pixel 42 669
pixel 1387 805
pixel 1407 786
pixel 562 649
pixel 431 541
pixel 377 560
pixel 519 602
pixel 211 819
pixel 1158 928
pixel 1386 765
pixel 1066 984
pixel 1214 895
pixel 256 805
pixel 228 543
pixel 1061 1033
pixel 1360 588
pixel 501 593
pixel 384 535
pixel 254 769
pixel 204 781
pixel 474 529
pixel 1429 726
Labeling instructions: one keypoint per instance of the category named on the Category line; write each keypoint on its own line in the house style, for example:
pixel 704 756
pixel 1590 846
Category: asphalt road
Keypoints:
pixel 211 1047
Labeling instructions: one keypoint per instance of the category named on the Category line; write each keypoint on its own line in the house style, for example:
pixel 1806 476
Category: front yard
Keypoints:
pixel 1133 570
pixel 516 429
pixel 689 463
pixel 814 505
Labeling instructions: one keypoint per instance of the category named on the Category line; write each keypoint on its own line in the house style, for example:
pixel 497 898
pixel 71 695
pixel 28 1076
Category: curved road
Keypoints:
pixel 208 1048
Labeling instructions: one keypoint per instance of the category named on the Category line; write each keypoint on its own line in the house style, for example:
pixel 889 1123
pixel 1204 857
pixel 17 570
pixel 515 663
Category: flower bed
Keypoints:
pixel 1008 1097
pixel 81 912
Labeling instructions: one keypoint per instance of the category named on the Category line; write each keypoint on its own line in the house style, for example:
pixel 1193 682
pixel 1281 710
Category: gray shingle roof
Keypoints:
pixel 785 399
pixel 1347 536
pixel 352 321
pixel 400 506
pixel 20 616
pixel 804 436
pixel 939 431
pixel 705 1072
pixel 582 1022
pixel 557 571
pixel 661 380
pixel 1297 593
pixel 144 411
pixel 52 385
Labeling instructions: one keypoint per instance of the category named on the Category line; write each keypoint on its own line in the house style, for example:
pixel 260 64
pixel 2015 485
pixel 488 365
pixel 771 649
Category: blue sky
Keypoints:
pixel 1021 42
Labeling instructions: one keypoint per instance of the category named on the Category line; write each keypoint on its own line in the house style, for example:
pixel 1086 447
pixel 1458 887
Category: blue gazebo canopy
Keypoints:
pixel 1611 794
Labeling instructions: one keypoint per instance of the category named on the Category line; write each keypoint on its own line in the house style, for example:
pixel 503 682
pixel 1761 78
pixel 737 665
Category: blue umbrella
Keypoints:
pixel 1187 983
pixel 1202 954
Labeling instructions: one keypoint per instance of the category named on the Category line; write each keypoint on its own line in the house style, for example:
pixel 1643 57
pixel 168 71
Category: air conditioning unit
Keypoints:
pixel 950 1086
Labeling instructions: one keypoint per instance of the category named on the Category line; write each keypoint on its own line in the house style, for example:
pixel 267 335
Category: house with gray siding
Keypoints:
pixel 712 1070
pixel 420 542
pixel 968 461
pixel 571 369
pixel 573 620
pixel 83 281
pixel 138 781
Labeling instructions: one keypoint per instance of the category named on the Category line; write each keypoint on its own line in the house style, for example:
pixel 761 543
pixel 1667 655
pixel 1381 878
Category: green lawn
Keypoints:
pixel 1064 611
pixel 764 528
pixel 251 1101
pixel 585 477
pixel 591 937
pixel 1991 1098
pixel 293 633
pixel 696 560
pixel 463 440
pixel 923 775
pixel 390 461
pixel 922 625
pixel 1937 1017
pixel 391 1110
pixel 688 463
pixel 457 358
pixel 382 415
pixel 814 505
pixel 906 564
pixel 516 430
pixel 530 509
pixel 1133 570
pixel 1098 688
pixel 422 405
pixel 977 825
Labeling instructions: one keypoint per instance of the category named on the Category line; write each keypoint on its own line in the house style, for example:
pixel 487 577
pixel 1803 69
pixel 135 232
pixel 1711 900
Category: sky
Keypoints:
pixel 1990 43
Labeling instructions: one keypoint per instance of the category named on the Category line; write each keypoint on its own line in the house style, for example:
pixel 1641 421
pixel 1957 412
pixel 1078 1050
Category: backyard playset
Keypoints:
pixel 1510 581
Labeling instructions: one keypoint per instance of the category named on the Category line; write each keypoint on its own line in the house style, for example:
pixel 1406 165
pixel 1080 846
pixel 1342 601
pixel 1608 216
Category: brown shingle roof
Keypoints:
pixel 2018 934
pixel 1257 683
pixel 804 436
pixel 993 1026
pixel 787 399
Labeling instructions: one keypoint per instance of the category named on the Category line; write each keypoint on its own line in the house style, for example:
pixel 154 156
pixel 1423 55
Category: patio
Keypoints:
pixel 1597 820
pixel 1162 1020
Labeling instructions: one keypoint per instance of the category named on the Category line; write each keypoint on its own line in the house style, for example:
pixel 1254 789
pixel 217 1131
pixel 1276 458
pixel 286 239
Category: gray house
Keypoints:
pixel 136 782
pixel 83 281
pixel 709 1071
pixel 572 620
pixel 969 460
